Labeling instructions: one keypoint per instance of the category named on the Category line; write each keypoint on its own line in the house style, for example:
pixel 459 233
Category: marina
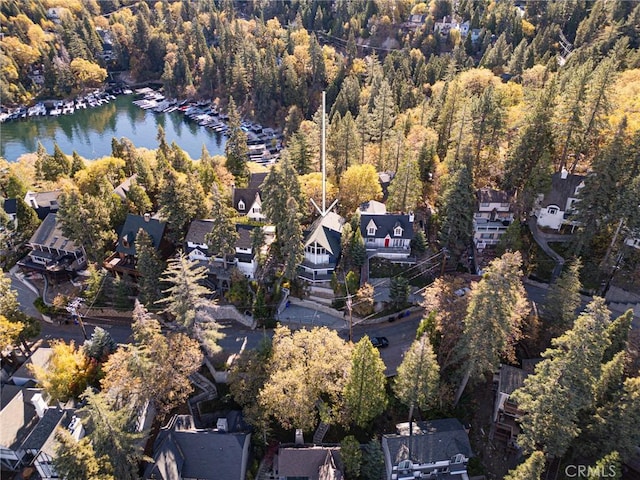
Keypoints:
pixel 82 124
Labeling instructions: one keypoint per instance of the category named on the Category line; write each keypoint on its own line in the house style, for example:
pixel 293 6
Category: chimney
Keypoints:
pixel 147 217
pixel 299 437
pixel 411 217
pixel 564 173
pixel 222 425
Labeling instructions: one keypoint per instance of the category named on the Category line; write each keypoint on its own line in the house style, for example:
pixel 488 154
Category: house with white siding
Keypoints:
pixel 322 248
pixel 386 235
pixel 492 217
pixel 557 207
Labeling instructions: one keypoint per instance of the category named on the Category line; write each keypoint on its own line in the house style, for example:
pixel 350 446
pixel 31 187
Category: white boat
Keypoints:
pixel 55 112
pixel 127 91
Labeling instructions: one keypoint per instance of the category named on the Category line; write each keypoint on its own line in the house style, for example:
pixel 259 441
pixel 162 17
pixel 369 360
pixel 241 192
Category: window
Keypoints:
pixel 241 206
pixel 552 210
pixel 486 235
pixel 371 231
pixel 397 232
pixel 397 242
pixel 485 205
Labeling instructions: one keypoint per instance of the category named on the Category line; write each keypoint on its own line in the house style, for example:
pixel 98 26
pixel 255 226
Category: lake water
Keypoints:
pixel 89 131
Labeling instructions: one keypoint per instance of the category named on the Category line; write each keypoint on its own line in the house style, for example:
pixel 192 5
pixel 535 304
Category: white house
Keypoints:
pixel 245 258
pixel 43 203
pixel 555 208
pixel 248 201
pixel 435 449
pixel 322 248
pixel 492 217
pixel 388 235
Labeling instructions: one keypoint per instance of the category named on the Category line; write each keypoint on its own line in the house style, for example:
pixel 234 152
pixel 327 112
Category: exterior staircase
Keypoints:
pixel 321 431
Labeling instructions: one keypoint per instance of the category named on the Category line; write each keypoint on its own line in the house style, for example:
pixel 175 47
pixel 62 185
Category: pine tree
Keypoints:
pixel 382 118
pixel 399 291
pixel 364 393
pixel 405 189
pixel 571 366
pixel 531 469
pixel 100 345
pixel 181 200
pixel 223 236
pixel 150 266
pixel 563 299
pixel 77 459
pixel 77 164
pixel 372 461
pixel 236 148
pixel 110 432
pixel 456 213
pixel 418 376
pixel 343 143
pixel 186 301
pixel 351 456
pixel 492 326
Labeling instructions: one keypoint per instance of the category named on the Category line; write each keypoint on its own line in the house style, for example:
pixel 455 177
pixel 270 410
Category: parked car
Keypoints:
pixel 380 342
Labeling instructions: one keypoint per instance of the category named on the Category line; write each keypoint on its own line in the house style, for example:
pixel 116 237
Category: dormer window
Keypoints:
pixel 397 232
pixel 241 206
pixel 371 228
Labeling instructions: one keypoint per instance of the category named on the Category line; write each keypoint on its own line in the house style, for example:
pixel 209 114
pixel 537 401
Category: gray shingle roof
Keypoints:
pixel 511 378
pixel 186 452
pixel 129 232
pixel 247 195
pixel 45 429
pixel 16 413
pixel 49 234
pixel 198 230
pixel 257 179
pixel 385 225
pixel 432 441
pixel 489 195
pixel 306 461
pixel 561 189
pixel 327 231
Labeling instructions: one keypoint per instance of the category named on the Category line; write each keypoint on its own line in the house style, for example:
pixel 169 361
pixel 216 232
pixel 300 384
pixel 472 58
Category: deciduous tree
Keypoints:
pixel 358 184
pixel 531 469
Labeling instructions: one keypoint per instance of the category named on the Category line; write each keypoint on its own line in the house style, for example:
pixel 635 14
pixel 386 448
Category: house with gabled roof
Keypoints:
pixel 184 452
pixel 387 235
pixel 312 462
pixel 322 248
pixel 52 252
pixel 556 208
pixel 43 203
pixel 124 259
pixel 123 188
pixel 248 201
pixel 435 449
pixel 492 217
pixel 245 259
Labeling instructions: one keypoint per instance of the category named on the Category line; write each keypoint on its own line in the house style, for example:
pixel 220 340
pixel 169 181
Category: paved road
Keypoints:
pixel 26 297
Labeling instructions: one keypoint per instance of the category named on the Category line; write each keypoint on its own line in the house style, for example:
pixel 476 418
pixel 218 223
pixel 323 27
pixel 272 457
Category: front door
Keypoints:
pixel 386 242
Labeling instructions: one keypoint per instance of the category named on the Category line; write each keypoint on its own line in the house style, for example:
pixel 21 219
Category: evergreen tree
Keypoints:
pixel 372 461
pixel 150 266
pixel 343 143
pixel 100 345
pixel 405 189
pixel 223 236
pixel 364 393
pixel 351 456
pixel 418 376
pixel 77 459
pixel 609 465
pixel 186 301
pixel 531 469
pixel 77 164
pixel 497 306
pixel 56 165
pixel 236 148
pixel 399 292
pixel 382 118
pixel 456 213
pixel 181 200
pixel 112 436
pixel 571 366
pixel 563 299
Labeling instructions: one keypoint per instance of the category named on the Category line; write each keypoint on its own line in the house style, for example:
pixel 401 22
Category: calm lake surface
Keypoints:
pixel 89 131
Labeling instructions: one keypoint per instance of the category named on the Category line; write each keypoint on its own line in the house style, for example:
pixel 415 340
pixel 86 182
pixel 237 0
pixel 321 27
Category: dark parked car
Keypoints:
pixel 380 342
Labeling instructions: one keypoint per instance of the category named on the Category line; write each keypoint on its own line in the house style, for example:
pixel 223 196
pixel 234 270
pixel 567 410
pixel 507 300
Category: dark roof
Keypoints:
pixel 133 223
pixel 244 235
pixel 257 179
pixel 247 195
pixel 306 461
pixel 16 414
pixel 10 206
pixel 198 231
pixel 49 234
pixel 385 225
pixel 511 378
pixel 46 427
pixel 327 232
pixel 181 451
pixel 489 195
pixel 561 189
pixel 432 441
